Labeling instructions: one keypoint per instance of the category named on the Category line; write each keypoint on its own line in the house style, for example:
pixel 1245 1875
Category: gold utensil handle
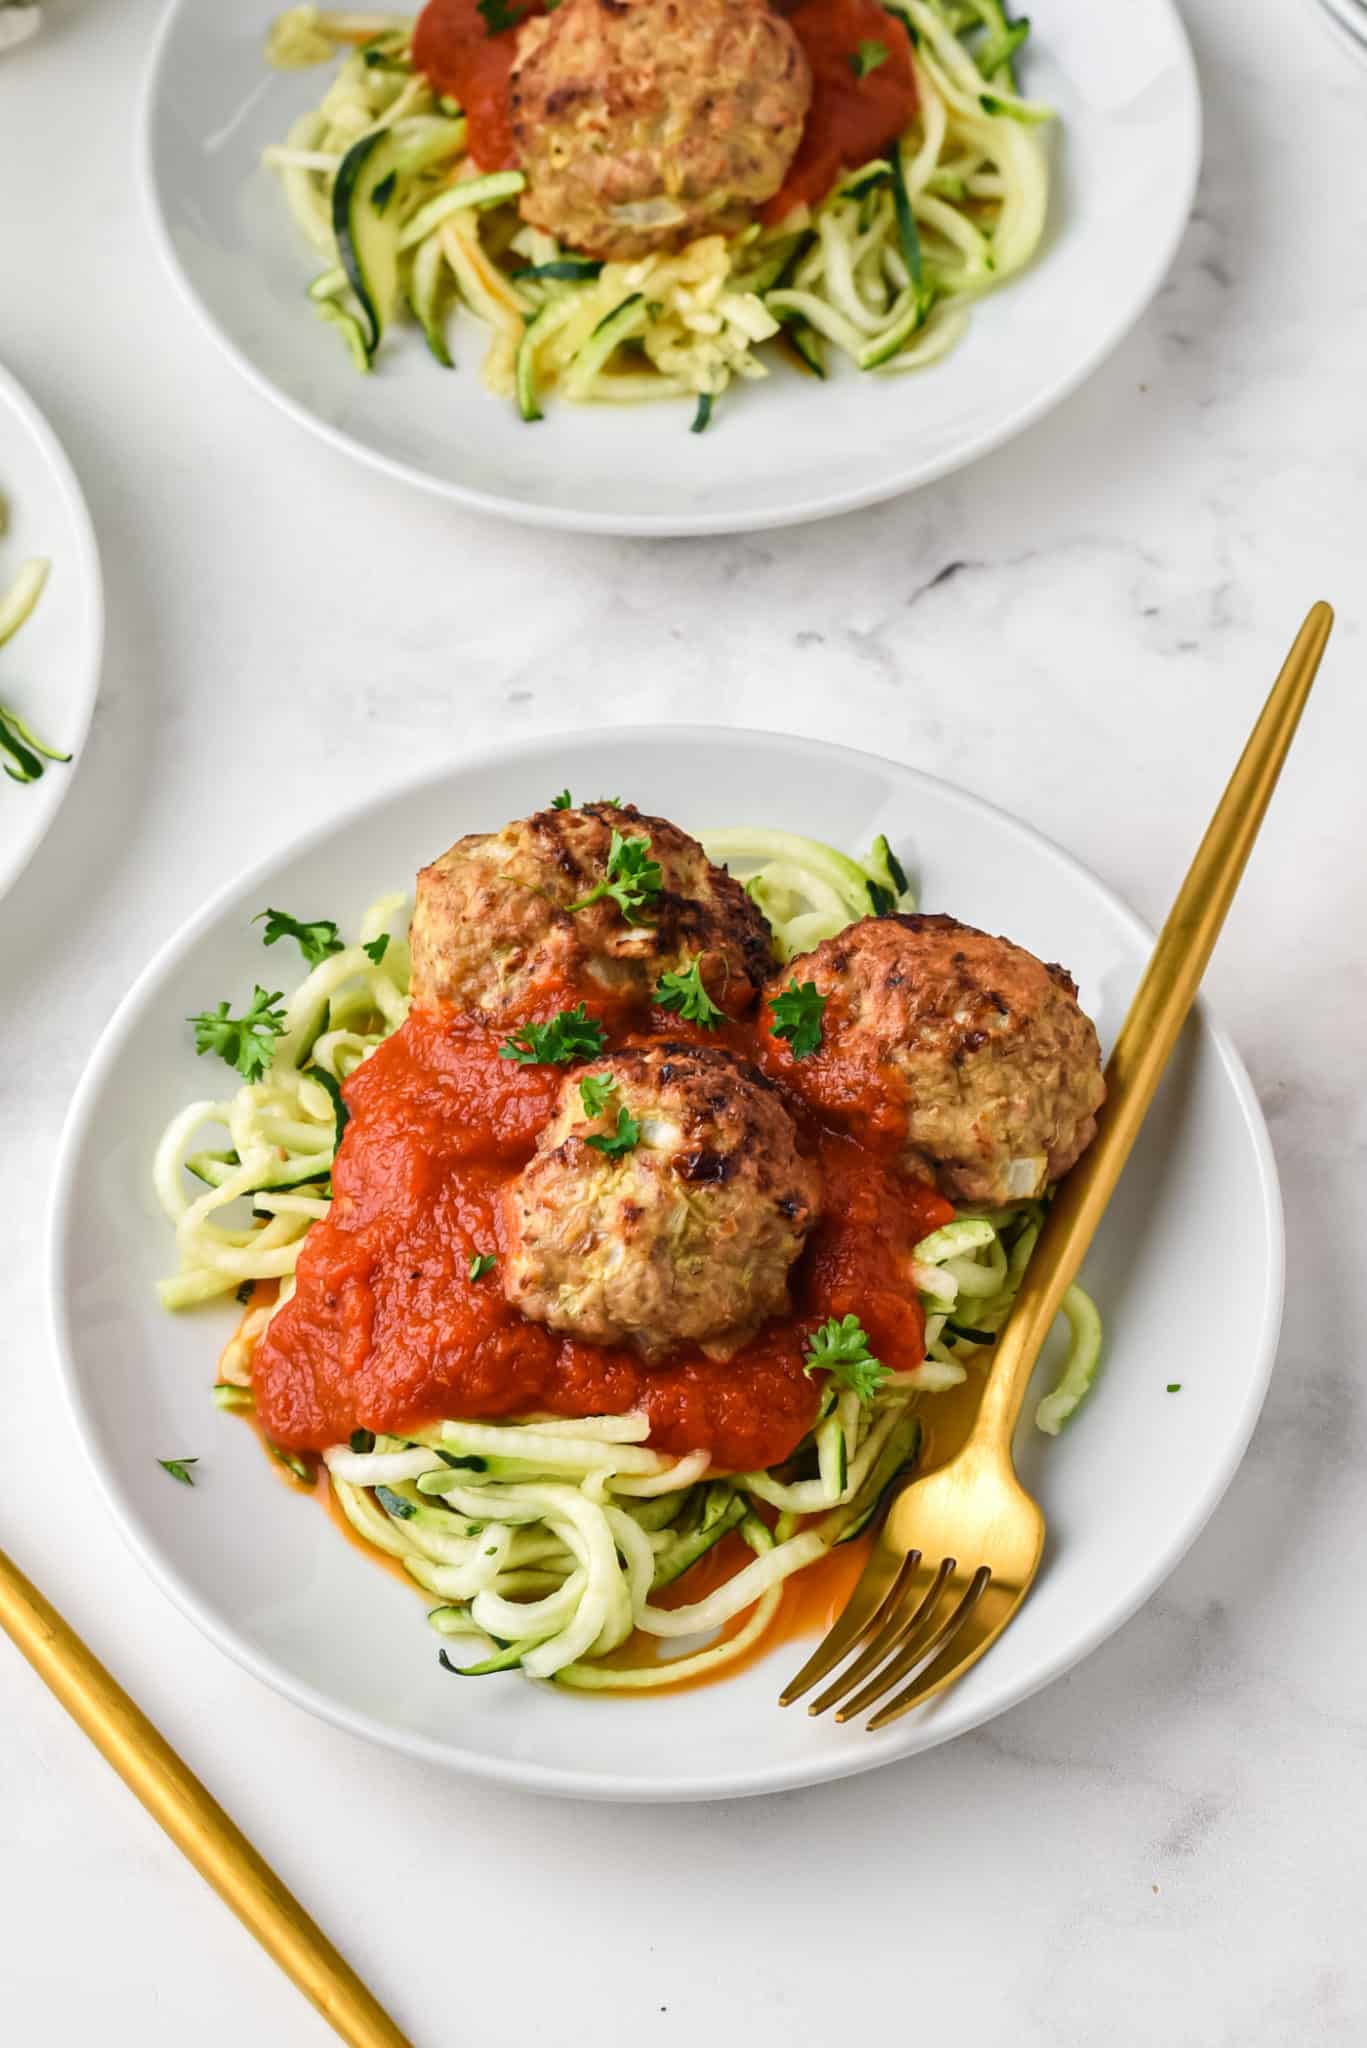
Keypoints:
pixel 1150 1030
pixel 190 1815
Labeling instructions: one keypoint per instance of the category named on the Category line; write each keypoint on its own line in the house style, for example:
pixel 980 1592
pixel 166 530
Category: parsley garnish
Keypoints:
pixel 868 57
pixel 498 16
pixel 482 1263
pixel 179 1468
pixel 842 1349
pixel 685 993
pixel 596 1092
pixel 703 415
pixel 563 802
pixel 362 1441
pixel 632 876
pixel 317 937
pixel 1174 1386
pixel 797 1017
pixel 245 1042
pixel 572 1035
pixel 624 1139
pixel 377 948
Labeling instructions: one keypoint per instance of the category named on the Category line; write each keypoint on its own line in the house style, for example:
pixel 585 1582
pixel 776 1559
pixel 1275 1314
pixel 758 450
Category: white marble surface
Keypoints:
pixel 1168 1845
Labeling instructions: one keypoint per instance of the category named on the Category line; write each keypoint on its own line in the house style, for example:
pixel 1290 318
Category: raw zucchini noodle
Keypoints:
pixel 22 753
pixel 546 1542
pixel 884 269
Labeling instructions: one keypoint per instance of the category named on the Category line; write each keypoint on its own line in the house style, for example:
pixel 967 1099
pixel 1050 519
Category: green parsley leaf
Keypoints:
pixel 317 937
pixel 631 877
pixel 498 16
pixel 685 993
pixel 571 1035
pixel 563 802
pixel 624 1139
pixel 179 1468
pixel 245 1042
pixel 797 1017
pixel 362 1441
pixel 596 1092
pixel 376 949
pixel 703 415
pixel 868 57
pixel 842 1349
pixel 482 1263
pixel 1174 1386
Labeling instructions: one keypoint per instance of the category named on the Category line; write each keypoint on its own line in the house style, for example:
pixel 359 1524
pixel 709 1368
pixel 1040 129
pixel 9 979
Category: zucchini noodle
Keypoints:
pixel 259 1192
pixel 548 1542
pixel 22 754
pixel 885 268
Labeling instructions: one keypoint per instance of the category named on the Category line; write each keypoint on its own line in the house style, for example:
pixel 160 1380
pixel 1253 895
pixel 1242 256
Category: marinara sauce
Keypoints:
pixel 387 1330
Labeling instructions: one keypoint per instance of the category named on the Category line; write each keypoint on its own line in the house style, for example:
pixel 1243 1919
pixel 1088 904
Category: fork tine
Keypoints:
pixel 903 1620
pixel 989 1617
pixel 918 1648
pixel 876 1582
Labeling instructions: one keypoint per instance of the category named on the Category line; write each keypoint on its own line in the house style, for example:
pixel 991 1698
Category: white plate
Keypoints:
pixel 269 1578
pixel 1123 81
pixel 50 671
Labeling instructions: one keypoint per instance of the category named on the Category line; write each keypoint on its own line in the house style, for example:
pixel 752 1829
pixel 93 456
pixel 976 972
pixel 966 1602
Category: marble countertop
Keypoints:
pixel 1166 1846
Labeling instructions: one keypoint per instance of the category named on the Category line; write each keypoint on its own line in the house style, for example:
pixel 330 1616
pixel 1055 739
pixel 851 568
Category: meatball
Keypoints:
pixel 967 1046
pixel 492 917
pixel 641 122
pixel 684 1236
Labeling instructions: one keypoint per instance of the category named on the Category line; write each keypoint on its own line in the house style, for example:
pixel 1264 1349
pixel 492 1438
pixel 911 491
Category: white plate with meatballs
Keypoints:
pixel 1127 1484
pixel 848 271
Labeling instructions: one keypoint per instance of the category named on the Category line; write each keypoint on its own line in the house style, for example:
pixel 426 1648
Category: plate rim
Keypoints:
pixel 553 1779
pixel 90 578
pixel 670 525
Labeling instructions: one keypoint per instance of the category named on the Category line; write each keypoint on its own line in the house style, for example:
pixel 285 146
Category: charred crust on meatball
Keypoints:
pixel 641 124
pixel 685 1238
pixel 976 1052
pixel 493 916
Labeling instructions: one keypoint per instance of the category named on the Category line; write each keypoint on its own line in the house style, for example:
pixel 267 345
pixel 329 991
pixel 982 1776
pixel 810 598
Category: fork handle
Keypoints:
pixel 1150 1030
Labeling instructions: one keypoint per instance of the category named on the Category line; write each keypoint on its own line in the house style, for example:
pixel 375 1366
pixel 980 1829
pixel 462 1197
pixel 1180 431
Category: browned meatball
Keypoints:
pixel 492 916
pixel 641 122
pixel 970 1048
pixel 683 1236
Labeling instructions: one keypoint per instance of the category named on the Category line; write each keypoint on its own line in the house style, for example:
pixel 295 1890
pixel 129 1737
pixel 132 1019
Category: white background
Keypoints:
pixel 1169 1844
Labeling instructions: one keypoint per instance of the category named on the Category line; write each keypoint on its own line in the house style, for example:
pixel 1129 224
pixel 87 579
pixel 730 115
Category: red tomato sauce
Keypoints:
pixel 454 47
pixel 850 120
pixel 386 1329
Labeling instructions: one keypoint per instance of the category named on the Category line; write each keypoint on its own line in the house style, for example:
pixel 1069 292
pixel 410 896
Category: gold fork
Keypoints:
pixel 959 1549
